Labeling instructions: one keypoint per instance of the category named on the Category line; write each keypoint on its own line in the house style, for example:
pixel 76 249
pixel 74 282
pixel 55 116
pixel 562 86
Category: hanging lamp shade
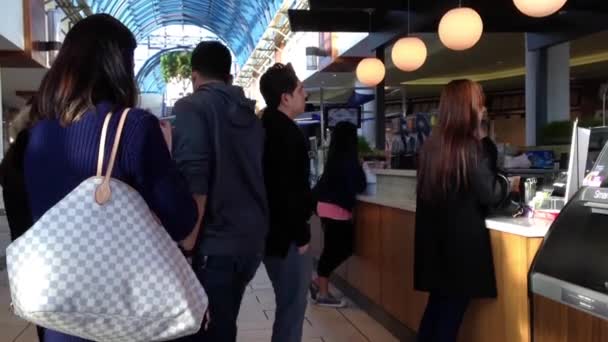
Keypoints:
pixel 460 28
pixel 539 8
pixel 370 71
pixel 409 54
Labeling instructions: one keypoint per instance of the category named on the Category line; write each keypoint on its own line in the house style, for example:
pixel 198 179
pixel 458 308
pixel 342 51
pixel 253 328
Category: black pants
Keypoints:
pixel 40 332
pixel 338 245
pixel 442 318
pixel 224 278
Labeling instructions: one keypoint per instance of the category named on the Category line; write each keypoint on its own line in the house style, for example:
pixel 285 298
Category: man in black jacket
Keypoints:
pixel 287 173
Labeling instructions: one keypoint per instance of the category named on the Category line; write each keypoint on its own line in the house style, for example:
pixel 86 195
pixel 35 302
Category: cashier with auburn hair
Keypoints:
pixel 457 183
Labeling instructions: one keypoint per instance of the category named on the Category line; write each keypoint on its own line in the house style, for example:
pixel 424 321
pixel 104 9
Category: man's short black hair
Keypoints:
pixel 278 80
pixel 212 59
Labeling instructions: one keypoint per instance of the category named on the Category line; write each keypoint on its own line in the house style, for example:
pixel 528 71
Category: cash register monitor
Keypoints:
pixel 578 160
pixel 597 139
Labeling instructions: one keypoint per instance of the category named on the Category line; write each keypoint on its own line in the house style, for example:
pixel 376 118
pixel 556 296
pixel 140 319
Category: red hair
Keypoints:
pixel 451 151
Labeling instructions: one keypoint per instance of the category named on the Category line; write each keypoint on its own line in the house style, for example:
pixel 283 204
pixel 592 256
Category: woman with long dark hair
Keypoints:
pixel 456 186
pixel 93 76
pixel 343 178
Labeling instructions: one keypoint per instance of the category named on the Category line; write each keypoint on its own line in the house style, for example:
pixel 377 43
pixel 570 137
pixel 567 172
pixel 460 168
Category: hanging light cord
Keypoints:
pixel 408 18
pixel 369 12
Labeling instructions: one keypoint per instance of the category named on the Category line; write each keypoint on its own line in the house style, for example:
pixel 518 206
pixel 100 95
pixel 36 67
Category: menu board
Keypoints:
pixel 337 114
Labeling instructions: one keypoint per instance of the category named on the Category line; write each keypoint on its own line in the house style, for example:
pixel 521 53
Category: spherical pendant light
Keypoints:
pixel 409 54
pixel 460 28
pixel 370 71
pixel 539 8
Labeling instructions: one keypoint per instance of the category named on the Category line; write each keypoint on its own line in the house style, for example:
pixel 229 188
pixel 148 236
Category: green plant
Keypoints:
pixel 175 67
pixel 363 145
pixel 367 152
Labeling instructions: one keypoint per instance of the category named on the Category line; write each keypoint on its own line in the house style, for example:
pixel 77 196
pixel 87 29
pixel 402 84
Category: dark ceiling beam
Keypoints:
pixel 358 4
pixel 444 5
pixel 579 18
pixel 333 20
pixel 496 22
pixel 498 15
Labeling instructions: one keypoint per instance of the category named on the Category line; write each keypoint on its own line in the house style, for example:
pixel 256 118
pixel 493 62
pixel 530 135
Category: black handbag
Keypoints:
pixel 511 204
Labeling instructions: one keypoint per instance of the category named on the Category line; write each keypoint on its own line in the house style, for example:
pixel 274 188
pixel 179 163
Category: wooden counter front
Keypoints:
pixel 506 318
pixel 382 269
pixel 555 322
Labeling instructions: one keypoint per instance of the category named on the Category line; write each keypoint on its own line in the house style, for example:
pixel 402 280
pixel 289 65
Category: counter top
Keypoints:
pixel 396 201
pixel 522 226
pixel 394 172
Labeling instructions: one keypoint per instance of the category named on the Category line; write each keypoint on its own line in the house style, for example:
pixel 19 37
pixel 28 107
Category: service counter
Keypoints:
pixel 382 268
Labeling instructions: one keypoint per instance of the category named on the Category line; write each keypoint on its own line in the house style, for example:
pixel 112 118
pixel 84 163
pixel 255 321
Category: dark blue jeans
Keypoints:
pixel 224 279
pixel 442 318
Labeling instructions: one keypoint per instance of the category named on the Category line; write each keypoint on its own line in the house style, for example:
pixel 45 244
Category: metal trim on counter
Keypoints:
pixel 577 297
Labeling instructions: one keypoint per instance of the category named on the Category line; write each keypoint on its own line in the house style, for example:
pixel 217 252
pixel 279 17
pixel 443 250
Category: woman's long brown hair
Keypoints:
pixel 95 63
pixel 450 153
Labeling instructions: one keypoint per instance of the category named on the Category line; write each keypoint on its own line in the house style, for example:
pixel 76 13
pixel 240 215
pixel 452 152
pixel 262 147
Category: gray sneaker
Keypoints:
pixel 314 290
pixel 330 301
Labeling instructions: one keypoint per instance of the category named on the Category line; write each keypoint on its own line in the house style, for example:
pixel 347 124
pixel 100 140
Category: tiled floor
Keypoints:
pixel 321 325
pixel 255 321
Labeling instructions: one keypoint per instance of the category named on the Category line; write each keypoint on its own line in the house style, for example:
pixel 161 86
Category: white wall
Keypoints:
pixel 294 52
pixel 11 25
pixel 343 41
pixel 19 79
pixel 152 102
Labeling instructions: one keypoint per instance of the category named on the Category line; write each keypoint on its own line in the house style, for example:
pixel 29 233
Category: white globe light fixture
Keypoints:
pixel 409 54
pixel 539 8
pixel 460 28
pixel 370 71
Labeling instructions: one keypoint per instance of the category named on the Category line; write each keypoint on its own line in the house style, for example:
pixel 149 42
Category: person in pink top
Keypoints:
pixel 336 193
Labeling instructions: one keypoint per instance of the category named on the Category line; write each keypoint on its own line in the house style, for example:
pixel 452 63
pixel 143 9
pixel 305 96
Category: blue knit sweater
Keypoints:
pixel 58 159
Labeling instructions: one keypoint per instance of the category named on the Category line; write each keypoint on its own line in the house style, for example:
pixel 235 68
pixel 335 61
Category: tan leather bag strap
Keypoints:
pixel 102 144
pixel 103 192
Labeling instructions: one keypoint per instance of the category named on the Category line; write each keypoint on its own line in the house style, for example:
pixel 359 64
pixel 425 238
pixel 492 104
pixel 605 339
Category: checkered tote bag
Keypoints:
pixel 98 265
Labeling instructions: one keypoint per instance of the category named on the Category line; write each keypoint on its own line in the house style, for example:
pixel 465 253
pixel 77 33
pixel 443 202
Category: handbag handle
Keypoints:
pixel 103 193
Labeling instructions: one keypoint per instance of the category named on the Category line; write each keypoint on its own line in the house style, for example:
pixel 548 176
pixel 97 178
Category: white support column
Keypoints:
pixel 547 89
pixel 558 83
pixel 368 125
pixel 532 71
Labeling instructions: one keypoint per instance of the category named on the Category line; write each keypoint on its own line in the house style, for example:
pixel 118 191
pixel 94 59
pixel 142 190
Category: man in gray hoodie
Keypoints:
pixel 219 145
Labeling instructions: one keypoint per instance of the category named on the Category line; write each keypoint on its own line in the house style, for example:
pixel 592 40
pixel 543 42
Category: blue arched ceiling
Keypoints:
pixel 240 23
